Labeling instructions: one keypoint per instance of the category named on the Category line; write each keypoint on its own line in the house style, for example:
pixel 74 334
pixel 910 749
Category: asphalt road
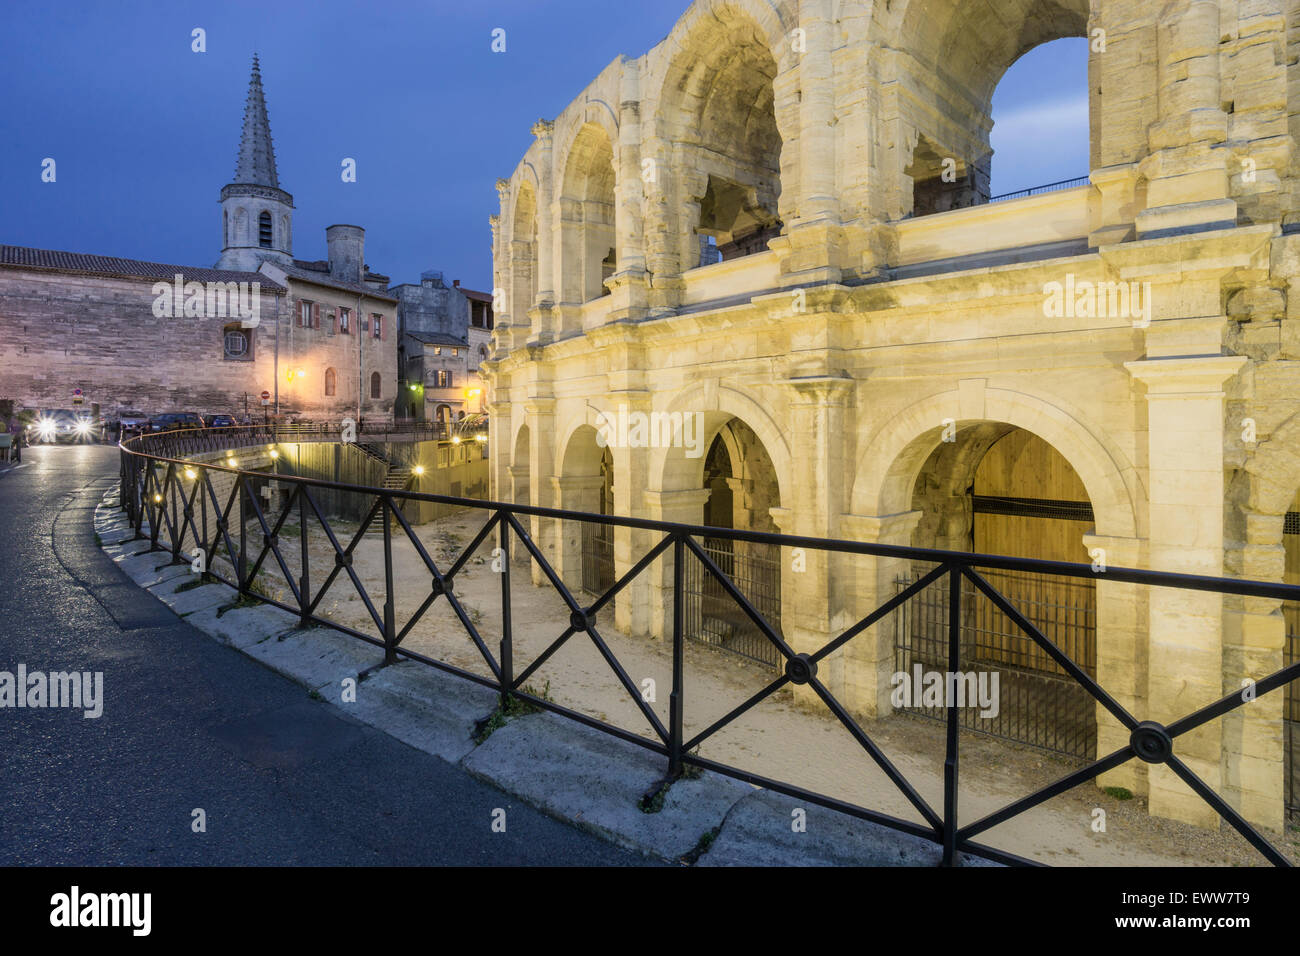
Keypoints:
pixel 190 724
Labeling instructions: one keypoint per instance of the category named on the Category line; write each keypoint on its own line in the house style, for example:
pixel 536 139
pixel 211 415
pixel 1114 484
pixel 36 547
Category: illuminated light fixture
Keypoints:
pixel 189 473
pixel 480 437
pixel 231 461
pixel 418 470
pixel 275 453
pixel 455 439
pixel 157 499
pixel 301 373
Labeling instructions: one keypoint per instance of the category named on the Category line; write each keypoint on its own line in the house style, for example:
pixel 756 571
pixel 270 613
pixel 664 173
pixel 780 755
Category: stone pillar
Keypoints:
pixel 547 235
pixel 685 507
pixel 1254 647
pixel 541 466
pixel 812 611
pixel 1122 667
pixel 1185 414
pixel 630 285
pixel 868 582
pixel 573 493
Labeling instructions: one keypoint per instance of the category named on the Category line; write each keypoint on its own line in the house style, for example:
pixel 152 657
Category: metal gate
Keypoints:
pixel 597 557
pixel 1038 703
pixel 1291 717
pixel 712 617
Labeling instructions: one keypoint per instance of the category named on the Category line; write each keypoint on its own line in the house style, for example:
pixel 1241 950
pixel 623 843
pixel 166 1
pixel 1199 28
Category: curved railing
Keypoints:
pixel 173 503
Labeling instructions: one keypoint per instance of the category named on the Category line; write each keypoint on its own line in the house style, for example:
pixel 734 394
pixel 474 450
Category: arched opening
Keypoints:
pixel 376 385
pixel 742 485
pixel 519 467
pixel 523 254
pixel 587 486
pixel 1019 79
pixel 587 208
pixel 719 104
pixel 265 230
pixel 331 382
pixel 992 488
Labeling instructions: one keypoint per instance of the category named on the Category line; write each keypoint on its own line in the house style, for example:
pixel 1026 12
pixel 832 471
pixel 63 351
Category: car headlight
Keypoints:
pixel 83 427
pixel 45 428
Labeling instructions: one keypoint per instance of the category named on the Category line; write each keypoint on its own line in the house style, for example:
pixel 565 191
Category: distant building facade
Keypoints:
pixel 444 334
pixel 124 333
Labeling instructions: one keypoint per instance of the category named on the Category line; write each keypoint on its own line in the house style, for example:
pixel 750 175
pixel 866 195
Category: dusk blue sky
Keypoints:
pixel 145 132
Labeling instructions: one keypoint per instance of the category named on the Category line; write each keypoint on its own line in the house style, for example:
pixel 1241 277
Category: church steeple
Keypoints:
pixel 256 214
pixel 256 165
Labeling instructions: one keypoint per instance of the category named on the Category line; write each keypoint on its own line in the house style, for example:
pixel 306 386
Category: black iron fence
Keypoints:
pixel 713 618
pixel 175 505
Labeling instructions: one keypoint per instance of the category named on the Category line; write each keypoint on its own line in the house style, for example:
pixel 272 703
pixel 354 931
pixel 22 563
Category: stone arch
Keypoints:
pixel 520 468
pixel 588 203
pixel 675 470
pixel 891 459
pixel 718 111
pixel 523 250
pixel 240 235
pixel 954 59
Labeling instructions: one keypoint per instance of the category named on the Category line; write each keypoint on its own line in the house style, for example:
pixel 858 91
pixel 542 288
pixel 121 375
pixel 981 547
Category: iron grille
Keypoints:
pixel 1039 704
pixel 712 615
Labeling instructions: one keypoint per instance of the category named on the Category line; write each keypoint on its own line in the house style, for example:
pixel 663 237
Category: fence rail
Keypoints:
pixel 174 504
pixel 1048 188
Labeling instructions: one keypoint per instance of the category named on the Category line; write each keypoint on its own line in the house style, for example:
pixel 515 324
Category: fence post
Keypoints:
pixel 675 700
pixel 507 640
pixel 390 627
pixel 304 582
pixel 950 757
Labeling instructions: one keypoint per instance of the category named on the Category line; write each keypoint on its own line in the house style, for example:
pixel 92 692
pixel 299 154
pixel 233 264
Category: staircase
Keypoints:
pixel 398 478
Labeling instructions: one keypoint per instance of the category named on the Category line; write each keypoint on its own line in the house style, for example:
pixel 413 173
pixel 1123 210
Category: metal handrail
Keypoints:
pixel 158 495
pixel 1048 188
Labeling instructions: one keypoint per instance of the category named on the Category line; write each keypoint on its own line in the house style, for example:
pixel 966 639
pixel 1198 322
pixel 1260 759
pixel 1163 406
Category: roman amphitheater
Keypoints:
pixel 779 220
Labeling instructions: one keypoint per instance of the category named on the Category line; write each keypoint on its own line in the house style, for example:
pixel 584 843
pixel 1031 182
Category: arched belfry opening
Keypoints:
pixel 719 106
pixel 523 254
pixel 742 486
pixel 993 488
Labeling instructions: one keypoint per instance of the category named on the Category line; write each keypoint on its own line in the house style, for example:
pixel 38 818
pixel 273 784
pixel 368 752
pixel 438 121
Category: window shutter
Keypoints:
pixel 383 327
pixel 315 315
pixel 334 321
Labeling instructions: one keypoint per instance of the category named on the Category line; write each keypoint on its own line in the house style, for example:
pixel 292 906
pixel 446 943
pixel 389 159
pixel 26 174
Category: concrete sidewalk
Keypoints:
pixel 559 766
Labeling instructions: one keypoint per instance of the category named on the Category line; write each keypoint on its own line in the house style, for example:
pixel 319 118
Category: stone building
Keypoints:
pixel 444 334
pixel 777 223
pixel 159 338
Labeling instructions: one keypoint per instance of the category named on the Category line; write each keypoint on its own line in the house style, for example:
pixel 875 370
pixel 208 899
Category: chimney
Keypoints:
pixel 455 283
pixel 347 252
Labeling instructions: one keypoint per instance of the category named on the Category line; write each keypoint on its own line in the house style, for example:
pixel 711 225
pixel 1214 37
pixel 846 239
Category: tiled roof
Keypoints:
pixel 479 296
pixel 25 257
pixel 304 271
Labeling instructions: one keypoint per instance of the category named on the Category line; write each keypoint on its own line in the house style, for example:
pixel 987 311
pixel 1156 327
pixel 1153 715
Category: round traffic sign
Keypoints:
pixel 265 395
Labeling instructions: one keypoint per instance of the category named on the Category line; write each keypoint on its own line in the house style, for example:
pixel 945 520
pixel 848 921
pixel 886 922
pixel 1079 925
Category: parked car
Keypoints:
pixel 173 421
pixel 53 425
pixel 128 422
pixel 219 421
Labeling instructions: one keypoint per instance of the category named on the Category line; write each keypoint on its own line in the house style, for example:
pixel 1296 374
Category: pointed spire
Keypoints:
pixel 256 163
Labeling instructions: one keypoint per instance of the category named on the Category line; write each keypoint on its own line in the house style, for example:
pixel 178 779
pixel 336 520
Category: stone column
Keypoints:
pixel 541 465
pixel 573 493
pixel 1122 667
pixel 868 582
pixel 547 236
pixel 1185 414
pixel 686 507
pixel 1254 647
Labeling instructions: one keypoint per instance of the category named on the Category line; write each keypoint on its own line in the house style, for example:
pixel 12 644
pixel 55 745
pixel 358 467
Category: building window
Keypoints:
pixel 345 321
pixel 482 353
pixel 376 385
pixel 443 379
pixel 455 353
pixel 331 382
pixel 236 344
pixel 378 325
pixel 304 314
pixel 264 235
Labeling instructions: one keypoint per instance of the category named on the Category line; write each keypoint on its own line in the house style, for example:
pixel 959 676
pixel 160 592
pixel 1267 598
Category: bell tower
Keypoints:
pixel 256 214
